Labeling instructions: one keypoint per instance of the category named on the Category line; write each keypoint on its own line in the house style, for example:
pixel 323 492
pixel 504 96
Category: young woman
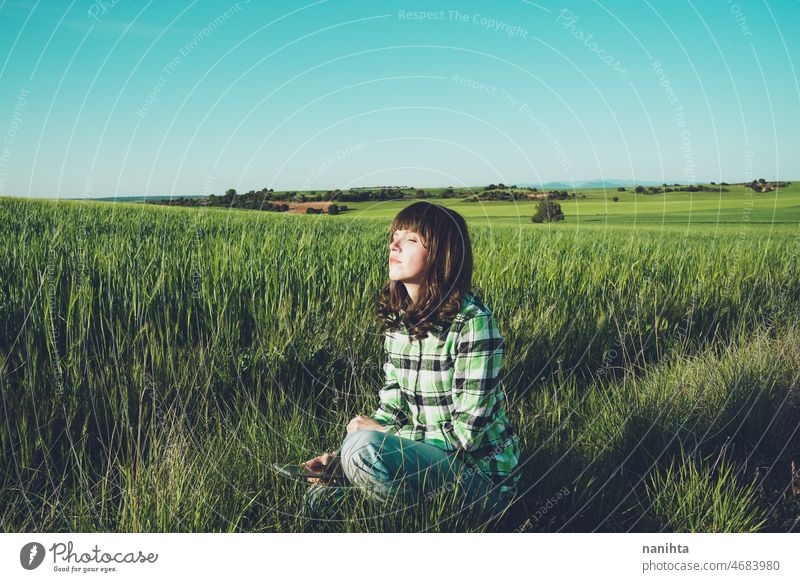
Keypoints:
pixel 440 428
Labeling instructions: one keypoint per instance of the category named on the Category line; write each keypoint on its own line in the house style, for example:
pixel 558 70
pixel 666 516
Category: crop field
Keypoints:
pixel 155 362
pixel 698 212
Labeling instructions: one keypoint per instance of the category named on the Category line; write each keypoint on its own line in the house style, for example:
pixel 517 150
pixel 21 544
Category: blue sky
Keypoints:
pixel 122 98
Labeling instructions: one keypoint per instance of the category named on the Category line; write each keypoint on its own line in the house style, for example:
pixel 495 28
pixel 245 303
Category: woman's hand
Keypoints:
pixel 362 422
pixel 326 465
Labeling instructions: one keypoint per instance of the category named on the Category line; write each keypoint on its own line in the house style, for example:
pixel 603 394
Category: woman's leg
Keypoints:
pixel 405 472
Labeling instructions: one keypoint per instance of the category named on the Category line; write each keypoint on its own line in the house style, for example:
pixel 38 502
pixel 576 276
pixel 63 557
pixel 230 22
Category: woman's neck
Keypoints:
pixel 411 289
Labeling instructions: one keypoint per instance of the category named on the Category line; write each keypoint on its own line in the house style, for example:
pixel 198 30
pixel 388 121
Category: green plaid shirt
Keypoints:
pixel 445 391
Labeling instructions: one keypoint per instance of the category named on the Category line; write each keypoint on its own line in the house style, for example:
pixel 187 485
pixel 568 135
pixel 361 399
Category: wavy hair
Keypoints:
pixel 447 276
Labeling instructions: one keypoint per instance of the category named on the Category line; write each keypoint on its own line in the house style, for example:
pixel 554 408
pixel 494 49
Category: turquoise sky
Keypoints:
pixel 151 98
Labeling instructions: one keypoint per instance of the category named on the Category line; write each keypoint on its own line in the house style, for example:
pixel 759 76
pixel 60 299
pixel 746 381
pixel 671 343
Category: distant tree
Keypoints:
pixel 762 181
pixel 713 183
pixel 333 209
pixel 230 193
pixel 615 198
pixel 548 211
pixel 621 189
pixel 639 189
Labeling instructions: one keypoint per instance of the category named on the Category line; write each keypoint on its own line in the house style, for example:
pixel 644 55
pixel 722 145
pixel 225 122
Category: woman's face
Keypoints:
pixel 407 257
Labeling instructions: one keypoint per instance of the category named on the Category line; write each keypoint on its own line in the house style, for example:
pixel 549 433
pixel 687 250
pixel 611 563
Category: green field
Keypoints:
pixel 692 211
pixel 155 361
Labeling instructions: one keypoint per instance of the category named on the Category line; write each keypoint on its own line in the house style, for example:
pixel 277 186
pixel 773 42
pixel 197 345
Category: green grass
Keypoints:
pixel 154 363
pixel 674 211
pixel 705 499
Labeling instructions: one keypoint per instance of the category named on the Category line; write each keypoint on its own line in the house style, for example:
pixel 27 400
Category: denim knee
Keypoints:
pixel 359 441
pixel 360 448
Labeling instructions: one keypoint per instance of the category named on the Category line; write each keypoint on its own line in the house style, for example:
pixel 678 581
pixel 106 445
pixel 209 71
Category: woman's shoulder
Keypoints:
pixel 472 311
pixel 476 330
pixel 475 319
pixel 471 307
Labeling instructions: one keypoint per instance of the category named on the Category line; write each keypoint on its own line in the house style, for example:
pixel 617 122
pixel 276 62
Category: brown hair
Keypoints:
pixel 447 276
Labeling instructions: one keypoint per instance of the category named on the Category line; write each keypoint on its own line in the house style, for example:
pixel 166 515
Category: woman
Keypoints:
pixel 440 427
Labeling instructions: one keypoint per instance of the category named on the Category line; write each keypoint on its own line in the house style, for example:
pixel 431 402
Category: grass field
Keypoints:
pixel 155 361
pixel 693 211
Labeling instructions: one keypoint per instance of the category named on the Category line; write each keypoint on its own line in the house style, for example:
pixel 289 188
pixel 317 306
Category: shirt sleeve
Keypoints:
pixel 391 411
pixel 476 381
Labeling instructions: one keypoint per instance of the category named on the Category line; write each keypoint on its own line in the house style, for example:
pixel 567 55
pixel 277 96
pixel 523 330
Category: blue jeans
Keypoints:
pixel 404 473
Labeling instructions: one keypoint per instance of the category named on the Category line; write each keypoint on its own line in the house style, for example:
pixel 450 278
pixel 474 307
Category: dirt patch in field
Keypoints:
pixel 300 207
